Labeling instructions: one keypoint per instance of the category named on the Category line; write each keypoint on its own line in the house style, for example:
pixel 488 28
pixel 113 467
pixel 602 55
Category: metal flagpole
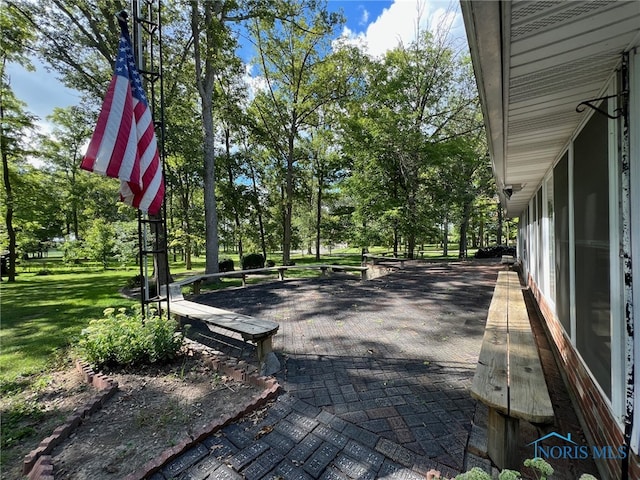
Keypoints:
pixel 152 231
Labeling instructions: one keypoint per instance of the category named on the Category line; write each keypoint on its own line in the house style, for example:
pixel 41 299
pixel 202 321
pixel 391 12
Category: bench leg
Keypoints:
pixel 268 361
pixel 244 280
pixel 264 347
pixel 503 439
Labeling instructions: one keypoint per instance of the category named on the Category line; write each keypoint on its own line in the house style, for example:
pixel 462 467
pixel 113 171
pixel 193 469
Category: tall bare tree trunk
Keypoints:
pixel 288 199
pixel 11 264
pixel 445 236
pixel 263 242
pixel 462 251
pixel 205 81
pixel 318 220
pixel 236 215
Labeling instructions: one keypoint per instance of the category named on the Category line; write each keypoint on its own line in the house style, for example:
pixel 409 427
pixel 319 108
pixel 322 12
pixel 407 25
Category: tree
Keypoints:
pixel 232 95
pixel 206 64
pixel 14 121
pixel 213 47
pixel 327 165
pixel 63 149
pixel 184 171
pixel 125 244
pixel 293 58
pixel 100 242
pixel 400 128
pixel 77 38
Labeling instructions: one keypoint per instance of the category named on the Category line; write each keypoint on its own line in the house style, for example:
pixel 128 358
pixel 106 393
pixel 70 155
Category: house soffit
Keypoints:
pixel 555 54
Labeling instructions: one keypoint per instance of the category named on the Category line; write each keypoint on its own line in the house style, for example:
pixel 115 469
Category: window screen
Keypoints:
pixel 591 200
pixel 561 240
pixel 551 279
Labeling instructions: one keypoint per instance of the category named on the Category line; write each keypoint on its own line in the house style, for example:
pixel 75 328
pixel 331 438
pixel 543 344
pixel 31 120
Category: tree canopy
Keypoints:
pixel 322 144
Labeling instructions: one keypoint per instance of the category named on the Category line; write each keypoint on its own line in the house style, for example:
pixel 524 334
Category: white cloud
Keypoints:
pixel 400 23
pixel 364 19
pixel 254 84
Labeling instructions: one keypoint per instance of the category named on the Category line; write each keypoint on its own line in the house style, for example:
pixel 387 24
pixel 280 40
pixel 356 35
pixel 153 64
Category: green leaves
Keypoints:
pixel 125 338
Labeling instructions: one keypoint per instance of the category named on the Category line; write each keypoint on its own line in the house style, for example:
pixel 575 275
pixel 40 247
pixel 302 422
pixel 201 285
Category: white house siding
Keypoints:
pixel 571 252
pixel 573 179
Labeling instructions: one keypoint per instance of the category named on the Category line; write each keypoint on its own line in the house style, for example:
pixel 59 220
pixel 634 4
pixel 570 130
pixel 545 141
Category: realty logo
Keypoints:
pixel 571 449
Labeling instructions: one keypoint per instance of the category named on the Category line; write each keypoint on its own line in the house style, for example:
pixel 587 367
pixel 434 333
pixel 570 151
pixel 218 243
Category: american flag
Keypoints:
pixel 124 143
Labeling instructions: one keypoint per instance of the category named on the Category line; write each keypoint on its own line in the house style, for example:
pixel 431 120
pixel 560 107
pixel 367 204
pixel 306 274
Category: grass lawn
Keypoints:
pixel 43 314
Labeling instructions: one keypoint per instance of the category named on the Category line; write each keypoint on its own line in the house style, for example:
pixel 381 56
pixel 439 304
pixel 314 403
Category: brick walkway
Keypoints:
pixel 376 374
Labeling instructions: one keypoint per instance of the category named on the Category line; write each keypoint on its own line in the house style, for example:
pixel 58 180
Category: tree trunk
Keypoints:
pixel 413 220
pixel 499 230
pixel 462 251
pixel 288 200
pixel 445 236
pixel 396 237
pixel 263 242
pixel 477 235
pixel 205 89
pixel 210 207
pixel 11 233
pixel 234 195
pixel 160 260
pixel 318 215
pixel 186 226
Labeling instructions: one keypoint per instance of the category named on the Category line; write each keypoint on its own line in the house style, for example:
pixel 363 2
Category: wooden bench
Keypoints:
pixel 509 377
pixel 196 280
pixel 251 329
pixel 507 260
pixel 376 259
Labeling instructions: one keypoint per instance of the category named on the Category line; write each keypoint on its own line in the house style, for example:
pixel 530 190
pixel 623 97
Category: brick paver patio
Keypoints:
pixel 376 377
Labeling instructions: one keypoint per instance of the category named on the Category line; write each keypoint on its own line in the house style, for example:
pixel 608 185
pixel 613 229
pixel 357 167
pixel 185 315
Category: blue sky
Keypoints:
pixel 378 24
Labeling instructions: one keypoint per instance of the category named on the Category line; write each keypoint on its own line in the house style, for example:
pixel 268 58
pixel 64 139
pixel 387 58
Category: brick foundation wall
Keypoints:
pixel 597 419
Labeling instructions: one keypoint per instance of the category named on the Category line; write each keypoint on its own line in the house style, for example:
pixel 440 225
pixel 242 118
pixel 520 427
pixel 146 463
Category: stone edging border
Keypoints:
pixel 38 464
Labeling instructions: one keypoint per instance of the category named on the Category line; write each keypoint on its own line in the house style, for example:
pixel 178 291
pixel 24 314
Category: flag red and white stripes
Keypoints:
pixel 124 143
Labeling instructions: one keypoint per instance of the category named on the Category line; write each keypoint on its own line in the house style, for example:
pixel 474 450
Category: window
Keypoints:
pixel 592 245
pixel 550 287
pixel 561 240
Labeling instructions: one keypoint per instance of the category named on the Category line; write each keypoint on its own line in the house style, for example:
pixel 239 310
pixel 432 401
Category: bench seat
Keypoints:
pixel 251 329
pixel 509 378
pixel 196 280
pixel 375 259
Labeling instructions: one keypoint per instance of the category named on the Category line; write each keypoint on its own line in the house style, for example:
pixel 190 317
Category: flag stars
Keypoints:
pixel 142 186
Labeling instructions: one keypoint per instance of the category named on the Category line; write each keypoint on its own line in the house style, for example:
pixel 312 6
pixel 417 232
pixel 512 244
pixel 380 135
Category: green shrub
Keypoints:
pixel 541 469
pixel 134 282
pixel 253 260
pixel 124 338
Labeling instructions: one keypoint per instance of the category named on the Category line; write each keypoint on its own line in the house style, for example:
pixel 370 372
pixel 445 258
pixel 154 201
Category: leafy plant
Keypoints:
pixel 124 338
pixel 541 468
